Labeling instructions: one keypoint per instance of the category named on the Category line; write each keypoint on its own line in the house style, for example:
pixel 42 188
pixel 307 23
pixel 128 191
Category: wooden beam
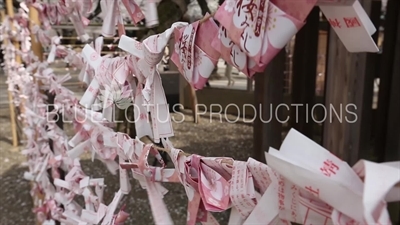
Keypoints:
pixel 392 139
pixel 392 150
pixel 392 145
pixel 372 65
pixel 249 84
pixel 387 65
pixel 182 86
pixel 268 95
pixel 13 119
pixel 37 50
pixel 304 75
pixel 193 96
pixel 345 90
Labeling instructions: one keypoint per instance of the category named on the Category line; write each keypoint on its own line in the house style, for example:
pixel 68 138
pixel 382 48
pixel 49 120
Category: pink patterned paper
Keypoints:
pixel 193 196
pixel 48 13
pixel 222 165
pixel 294 185
pixel 184 54
pixel 325 174
pixel 375 197
pixel 158 207
pixel 42 36
pixel 231 52
pixel 260 174
pixel 111 76
pixel 156 174
pixel 148 54
pixel 142 123
pixel 112 17
pixel 245 21
pixel 242 192
pixel 133 10
pixel 280 27
pixel 299 206
pixel 267 203
pixel 196 208
pixel 187 168
pixel 214 189
pixel 196 58
pixel 87 72
pixel 206 57
pixel 41 158
pixel 297 9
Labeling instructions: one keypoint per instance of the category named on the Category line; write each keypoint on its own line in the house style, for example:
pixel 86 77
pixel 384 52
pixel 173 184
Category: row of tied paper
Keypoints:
pixel 148 52
pixel 195 53
pixel 251 33
pixel 302 183
pixel 108 154
pixel 249 36
pixel 101 212
pixel 301 206
pixel 53 194
pixel 217 183
pixel 47 163
pixel 78 12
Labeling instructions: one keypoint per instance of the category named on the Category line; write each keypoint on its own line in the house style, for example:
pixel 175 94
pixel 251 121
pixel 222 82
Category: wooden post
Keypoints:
pixel 249 84
pixel 392 150
pixel 37 49
pixel 268 95
pixel 386 75
pixel 345 90
pixel 193 97
pixel 228 74
pixel 15 141
pixel 392 145
pixel 304 75
pixel 372 64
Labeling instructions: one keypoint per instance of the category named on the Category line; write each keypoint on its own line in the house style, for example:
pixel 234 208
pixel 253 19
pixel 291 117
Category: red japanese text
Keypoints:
pixel 335 23
pixel 312 191
pixel 329 168
pixel 351 22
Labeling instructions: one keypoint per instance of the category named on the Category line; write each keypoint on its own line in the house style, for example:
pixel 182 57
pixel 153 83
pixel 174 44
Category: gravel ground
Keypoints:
pixel 208 138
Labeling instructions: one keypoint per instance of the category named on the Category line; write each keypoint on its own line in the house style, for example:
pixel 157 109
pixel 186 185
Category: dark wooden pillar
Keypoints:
pixel 384 134
pixel 304 75
pixel 345 89
pixel 372 68
pixel 392 147
pixel 392 152
pixel 268 95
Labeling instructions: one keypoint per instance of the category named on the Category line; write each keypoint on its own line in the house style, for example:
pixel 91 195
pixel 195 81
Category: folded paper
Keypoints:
pixel 193 54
